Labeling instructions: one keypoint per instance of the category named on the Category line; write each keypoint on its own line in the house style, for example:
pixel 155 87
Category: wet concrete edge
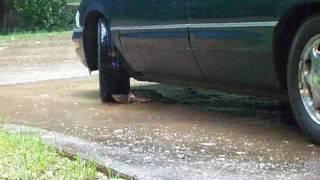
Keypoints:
pixel 73 147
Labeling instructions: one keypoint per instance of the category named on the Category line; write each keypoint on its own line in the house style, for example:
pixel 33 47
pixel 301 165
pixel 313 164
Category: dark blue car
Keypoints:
pixel 266 48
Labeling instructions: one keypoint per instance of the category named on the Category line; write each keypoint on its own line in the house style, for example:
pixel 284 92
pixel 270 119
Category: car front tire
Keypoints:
pixel 113 78
pixel 304 78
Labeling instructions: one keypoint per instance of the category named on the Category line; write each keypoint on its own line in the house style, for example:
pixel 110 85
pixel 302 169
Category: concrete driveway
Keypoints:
pixel 181 134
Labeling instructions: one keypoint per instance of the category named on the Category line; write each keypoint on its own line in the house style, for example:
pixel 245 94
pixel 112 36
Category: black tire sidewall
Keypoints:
pixel 106 75
pixel 308 30
pixel 113 77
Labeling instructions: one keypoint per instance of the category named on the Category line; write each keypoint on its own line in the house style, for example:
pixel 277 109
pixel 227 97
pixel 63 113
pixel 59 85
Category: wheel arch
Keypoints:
pixel 92 14
pixel 284 35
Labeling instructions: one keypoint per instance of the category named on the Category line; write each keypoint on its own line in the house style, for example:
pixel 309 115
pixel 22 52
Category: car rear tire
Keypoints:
pixel 303 75
pixel 113 78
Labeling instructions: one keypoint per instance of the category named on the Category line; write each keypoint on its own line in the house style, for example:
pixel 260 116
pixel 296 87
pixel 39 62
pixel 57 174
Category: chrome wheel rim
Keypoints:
pixel 309 78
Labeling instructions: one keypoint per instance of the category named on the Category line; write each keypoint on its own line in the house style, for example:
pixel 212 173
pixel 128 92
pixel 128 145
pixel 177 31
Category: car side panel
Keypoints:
pixel 232 56
pixel 233 41
pixel 150 41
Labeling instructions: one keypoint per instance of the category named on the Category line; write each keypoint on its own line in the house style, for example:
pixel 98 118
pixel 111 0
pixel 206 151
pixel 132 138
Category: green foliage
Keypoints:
pixel 41 14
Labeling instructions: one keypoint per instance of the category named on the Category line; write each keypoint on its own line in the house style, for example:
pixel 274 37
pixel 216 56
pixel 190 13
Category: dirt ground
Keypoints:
pixel 181 134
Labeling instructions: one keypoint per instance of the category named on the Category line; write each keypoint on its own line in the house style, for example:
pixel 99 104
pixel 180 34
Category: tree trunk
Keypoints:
pixel 3 11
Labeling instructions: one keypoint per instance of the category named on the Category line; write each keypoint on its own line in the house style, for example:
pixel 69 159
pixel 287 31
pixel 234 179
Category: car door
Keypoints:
pixel 232 41
pixel 154 37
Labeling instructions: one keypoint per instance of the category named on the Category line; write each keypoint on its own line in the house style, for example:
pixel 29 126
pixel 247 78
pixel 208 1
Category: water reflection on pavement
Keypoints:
pixel 181 134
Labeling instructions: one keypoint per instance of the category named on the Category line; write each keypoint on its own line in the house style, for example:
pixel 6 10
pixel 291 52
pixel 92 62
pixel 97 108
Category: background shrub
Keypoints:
pixel 41 14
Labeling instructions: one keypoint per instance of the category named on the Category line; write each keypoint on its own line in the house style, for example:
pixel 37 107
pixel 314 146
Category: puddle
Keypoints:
pixel 181 134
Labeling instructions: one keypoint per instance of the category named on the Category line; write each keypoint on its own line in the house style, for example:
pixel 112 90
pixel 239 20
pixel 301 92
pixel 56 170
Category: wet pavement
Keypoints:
pixel 181 134
pixel 39 59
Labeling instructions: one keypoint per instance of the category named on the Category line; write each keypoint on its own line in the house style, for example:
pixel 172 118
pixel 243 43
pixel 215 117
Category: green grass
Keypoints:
pixel 32 35
pixel 27 157
pixel 73 2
